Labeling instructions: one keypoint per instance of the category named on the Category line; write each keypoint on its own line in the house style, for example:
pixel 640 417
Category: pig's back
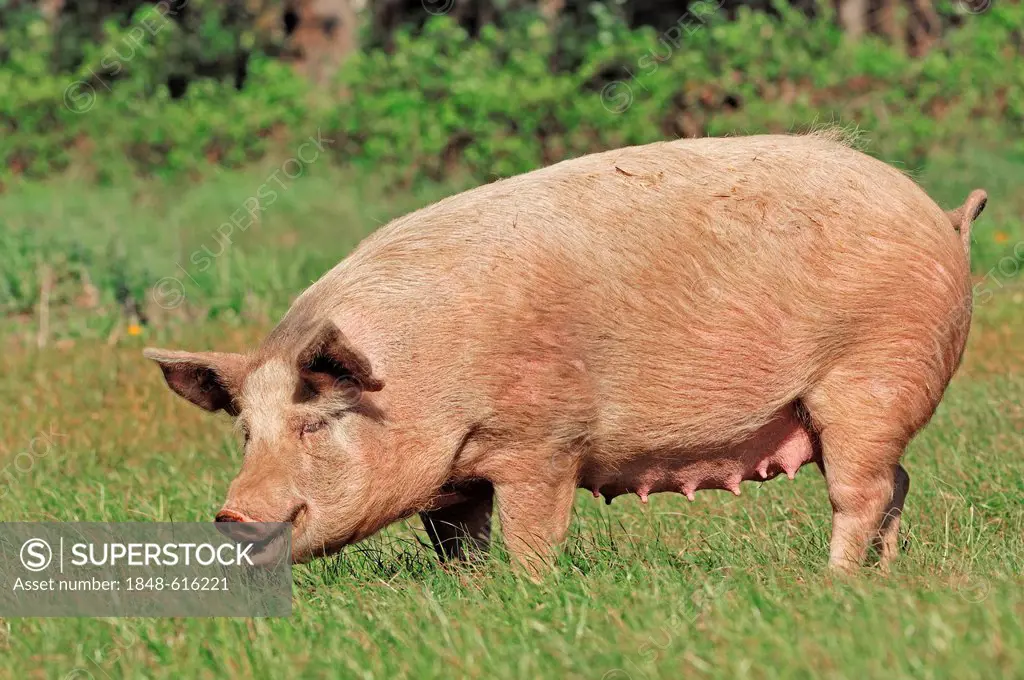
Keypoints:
pixel 681 206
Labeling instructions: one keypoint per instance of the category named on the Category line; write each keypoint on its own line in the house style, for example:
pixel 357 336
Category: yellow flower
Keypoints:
pixel 1001 237
pixel 134 329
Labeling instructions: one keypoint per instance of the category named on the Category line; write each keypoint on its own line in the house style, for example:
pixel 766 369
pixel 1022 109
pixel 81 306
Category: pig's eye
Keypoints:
pixel 313 426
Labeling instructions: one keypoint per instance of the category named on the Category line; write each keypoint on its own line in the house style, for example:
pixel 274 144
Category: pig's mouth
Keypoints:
pixel 311 543
pixel 269 540
pixel 306 545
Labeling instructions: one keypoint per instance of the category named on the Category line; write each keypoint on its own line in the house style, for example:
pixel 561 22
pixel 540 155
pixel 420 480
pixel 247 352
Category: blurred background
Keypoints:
pixel 132 134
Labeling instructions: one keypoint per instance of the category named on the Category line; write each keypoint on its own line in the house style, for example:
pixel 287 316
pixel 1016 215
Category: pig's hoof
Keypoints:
pixel 843 567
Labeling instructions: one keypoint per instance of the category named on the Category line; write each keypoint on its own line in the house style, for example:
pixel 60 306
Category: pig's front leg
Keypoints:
pixel 534 519
pixel 464 528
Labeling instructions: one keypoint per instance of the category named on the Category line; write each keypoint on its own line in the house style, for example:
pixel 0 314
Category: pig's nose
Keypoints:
pixel 243 529
pixel 231 516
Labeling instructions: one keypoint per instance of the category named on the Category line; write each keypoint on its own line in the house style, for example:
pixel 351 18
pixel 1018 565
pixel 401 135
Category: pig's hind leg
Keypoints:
pixel 864 427
pixel 887 540
pixel 464 529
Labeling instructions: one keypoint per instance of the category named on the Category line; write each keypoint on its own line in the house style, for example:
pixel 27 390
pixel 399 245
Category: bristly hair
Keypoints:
pixel 847 134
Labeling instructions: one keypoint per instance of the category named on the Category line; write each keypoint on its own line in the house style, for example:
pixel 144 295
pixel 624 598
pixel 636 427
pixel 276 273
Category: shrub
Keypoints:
pixel 441 102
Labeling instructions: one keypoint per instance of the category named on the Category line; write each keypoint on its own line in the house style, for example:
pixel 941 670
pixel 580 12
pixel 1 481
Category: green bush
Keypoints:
pixel 441 102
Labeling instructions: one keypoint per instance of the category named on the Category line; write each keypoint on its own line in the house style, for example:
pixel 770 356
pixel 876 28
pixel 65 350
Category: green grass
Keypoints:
pixel 113 251
pixel 722 588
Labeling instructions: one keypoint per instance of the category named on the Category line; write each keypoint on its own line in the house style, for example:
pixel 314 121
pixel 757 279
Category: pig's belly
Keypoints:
pixel 780 447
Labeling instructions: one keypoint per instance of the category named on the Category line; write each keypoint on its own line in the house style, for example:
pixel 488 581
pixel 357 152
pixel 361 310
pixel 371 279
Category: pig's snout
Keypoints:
pixel 231 516
pixel 241 529
pixel 244 529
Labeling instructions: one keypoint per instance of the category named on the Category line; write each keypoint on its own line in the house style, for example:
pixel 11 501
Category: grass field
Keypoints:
pixel 725 587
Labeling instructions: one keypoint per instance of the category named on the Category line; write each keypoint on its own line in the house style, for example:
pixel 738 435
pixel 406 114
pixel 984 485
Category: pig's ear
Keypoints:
pixel 330 358
pixel 207 379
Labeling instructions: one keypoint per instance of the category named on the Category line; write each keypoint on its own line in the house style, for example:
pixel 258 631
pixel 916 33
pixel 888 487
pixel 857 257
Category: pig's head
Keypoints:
pixel 311 435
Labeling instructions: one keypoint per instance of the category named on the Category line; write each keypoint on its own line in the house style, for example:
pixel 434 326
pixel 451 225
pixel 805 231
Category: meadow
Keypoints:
pixel 725 587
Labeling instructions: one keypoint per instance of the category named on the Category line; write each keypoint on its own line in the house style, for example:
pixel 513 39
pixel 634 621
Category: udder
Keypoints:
pixel 782 446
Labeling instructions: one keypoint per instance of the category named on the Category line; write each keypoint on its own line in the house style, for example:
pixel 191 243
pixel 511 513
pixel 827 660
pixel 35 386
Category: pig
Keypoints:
pixel 672 317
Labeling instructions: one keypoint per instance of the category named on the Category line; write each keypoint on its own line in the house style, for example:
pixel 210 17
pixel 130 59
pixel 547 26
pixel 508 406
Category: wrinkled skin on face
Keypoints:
pixel 312 430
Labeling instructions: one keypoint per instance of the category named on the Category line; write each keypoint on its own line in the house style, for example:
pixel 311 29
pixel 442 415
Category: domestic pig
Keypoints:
pixel 679 316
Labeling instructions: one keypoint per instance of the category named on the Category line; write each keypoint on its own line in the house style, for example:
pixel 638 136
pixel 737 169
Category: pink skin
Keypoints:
pixel 664 318
pixel 783 445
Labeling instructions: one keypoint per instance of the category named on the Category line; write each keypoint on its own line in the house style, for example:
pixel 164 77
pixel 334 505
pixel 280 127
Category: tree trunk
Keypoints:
pixel 853 17
pixel 923 26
